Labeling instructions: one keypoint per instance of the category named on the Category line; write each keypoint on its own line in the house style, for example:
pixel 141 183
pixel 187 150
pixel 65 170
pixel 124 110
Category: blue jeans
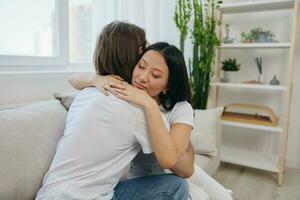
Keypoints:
pixel 157 187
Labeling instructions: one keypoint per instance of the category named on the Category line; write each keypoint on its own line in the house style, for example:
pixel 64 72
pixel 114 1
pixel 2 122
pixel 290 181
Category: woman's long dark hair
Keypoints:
pixel 178 83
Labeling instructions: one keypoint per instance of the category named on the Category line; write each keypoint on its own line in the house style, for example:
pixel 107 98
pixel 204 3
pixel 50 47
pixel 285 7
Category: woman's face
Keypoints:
pixel 151 74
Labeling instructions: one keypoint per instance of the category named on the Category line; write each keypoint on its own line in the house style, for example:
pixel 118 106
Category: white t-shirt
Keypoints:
pixel 146 164
pixel 102 135
pixel 182 113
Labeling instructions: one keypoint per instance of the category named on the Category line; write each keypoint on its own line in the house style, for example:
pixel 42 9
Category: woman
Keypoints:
pixel 155 81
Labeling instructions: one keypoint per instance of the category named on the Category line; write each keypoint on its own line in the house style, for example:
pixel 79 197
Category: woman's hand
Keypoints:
pixel 135 96
pixel 108 83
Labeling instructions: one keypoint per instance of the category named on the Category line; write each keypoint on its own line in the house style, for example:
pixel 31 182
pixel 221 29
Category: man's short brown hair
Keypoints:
pixel 118 49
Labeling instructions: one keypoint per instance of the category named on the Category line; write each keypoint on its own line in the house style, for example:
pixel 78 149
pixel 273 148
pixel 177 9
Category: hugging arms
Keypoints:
pixel 172 147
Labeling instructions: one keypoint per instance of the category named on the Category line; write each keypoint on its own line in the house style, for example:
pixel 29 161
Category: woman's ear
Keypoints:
pixel 141 50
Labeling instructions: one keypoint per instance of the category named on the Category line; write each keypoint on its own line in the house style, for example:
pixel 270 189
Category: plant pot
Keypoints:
pixel 231 76
pixel 261 38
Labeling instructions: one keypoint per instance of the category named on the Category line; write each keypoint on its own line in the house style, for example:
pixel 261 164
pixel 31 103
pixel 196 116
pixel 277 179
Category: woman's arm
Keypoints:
pixel 103 83
pixel 80 81
pixel 168 147
pixel 185 165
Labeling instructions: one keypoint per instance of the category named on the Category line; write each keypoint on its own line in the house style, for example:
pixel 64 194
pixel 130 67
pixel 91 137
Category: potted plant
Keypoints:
pixel 246 38
pixel 182 17
pixel 204 41
pixel 258 35
pixel 230 68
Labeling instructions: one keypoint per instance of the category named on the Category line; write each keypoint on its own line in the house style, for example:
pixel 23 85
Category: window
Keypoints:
pixel 28 28
pixel 80 31
pixel 47 32
pixel 63 33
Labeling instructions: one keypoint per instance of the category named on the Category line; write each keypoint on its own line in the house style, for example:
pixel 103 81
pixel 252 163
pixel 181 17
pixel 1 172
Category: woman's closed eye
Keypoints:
pixel 141 66
pixel 155 75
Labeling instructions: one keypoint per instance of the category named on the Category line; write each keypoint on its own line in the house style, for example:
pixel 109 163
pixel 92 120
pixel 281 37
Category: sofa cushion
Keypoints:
pixel 204 136
pixel 28 138
pixel 66 98
pixel 209 164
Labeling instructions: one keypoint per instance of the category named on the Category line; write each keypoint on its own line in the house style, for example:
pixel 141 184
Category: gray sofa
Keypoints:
pixel 28 137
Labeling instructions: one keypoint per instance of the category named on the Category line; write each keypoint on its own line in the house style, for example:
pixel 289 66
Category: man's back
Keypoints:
pixel 99 141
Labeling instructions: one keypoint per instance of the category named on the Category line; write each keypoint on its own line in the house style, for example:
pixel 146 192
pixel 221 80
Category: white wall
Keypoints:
pixel 16 88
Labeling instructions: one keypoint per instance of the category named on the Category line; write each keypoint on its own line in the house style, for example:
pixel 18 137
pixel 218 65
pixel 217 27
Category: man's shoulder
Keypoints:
pixel 125 108
pixel 87 94
pixel 92 97
pixel 111 102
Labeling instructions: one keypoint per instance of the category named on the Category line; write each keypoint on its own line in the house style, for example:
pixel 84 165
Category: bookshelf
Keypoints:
pixel 241 156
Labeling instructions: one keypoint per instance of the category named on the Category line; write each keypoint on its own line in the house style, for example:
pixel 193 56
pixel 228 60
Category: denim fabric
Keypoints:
pixel 144 165
pixel 157 187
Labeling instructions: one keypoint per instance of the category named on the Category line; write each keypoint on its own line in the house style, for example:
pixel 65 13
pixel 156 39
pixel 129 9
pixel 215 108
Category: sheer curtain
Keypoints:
pixel 154 16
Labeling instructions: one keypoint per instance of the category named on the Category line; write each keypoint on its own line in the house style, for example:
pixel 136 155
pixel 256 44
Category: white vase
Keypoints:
pixel 231 76
pixel 261 78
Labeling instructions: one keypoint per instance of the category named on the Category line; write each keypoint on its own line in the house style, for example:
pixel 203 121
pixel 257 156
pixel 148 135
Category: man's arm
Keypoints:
pixel 185 165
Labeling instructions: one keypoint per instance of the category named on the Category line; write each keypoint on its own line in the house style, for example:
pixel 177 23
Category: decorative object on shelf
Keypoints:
pixel 258 35
pixel 204 40
pixel 260 78
pixel 274 81
pixel 227 39
pixel 251 114
pixel 230 68
pixel 250 82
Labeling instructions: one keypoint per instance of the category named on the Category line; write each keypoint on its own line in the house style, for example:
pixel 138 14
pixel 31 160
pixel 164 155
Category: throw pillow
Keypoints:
pixel 28 139
pixel 205 133
pixel 65 98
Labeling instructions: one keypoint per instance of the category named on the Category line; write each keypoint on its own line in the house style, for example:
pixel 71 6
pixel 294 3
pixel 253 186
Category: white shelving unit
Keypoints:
pixel 246 157
pixel 277 129
pixel 250 6
pixel 250 159
pixel 255 45
pixel 249 86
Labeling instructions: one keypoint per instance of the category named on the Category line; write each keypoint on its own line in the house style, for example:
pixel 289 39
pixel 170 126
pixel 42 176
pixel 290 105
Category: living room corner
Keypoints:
pixel 242 62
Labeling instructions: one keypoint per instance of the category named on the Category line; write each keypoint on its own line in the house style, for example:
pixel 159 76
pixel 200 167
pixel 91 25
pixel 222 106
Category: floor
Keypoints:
pixel 252 184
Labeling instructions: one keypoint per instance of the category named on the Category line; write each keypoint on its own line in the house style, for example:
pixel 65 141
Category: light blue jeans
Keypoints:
pixel 156 187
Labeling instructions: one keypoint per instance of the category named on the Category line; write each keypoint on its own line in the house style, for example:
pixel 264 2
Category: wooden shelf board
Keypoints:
pixel 255 45
pixel 255 6
pixel 277 129
pixel 249 158
pixel 249 86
